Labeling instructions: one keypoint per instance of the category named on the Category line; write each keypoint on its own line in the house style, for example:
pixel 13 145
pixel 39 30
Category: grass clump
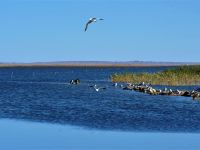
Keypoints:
pixel 182 75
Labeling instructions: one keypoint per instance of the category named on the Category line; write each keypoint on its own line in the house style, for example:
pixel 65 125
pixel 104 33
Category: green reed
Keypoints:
pixel 182 75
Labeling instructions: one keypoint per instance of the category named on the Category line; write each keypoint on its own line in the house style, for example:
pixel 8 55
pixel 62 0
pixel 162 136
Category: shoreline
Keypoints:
pixel 153 91
pixel 89 65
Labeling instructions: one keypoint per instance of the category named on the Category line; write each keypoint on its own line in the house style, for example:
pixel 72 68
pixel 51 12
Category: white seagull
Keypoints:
pixel 98 88
pixel 91 20
pixel 115 84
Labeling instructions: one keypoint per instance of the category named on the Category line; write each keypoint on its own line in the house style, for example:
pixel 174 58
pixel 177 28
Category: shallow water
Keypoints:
pixel 45 95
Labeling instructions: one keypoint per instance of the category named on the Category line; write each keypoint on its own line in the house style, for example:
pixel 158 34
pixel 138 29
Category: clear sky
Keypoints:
pixel 144 30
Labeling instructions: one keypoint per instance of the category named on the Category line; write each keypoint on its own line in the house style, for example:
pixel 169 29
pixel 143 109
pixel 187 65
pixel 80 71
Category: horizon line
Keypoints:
pixel 97 64
pixel 99 61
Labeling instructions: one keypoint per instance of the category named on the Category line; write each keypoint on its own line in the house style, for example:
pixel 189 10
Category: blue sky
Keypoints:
pixel 144 30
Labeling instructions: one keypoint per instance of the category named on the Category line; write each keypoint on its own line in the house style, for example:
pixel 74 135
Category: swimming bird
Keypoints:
pixel 152 91
pixel 196 96
pixel 115 84
pixel 91 20
pixel 76 81
pixel 159 91
pixel 193 91
pixel 178 92
pixel 141 84
pixel 165 89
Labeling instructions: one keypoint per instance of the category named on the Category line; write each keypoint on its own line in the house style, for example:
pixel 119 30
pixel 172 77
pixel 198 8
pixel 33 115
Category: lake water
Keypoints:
pixel 27 135
pixel 45 95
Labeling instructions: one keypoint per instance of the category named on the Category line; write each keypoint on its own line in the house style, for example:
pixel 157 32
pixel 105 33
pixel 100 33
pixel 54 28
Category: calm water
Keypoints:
pixel 45 95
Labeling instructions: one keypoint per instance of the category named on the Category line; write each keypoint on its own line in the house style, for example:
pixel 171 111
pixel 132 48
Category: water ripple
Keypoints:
pixel 54 100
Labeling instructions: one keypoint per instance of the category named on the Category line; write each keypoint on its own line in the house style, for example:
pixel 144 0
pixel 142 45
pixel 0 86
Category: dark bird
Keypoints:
pixel 91 20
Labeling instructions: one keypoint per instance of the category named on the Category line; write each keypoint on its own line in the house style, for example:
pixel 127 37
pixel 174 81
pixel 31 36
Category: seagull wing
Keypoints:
pixel 86 26
pixel 100 19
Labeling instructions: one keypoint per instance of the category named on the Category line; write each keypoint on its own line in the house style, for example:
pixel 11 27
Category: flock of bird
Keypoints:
pixel 96 88
pixel 147 88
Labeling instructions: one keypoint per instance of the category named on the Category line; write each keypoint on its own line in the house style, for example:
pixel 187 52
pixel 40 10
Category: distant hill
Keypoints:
pixel 99 63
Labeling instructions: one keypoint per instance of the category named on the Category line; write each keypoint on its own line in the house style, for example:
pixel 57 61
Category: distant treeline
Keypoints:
pixel 182 75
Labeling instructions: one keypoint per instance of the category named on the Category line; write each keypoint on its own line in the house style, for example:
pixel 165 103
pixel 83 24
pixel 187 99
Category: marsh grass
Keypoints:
pixel 182 75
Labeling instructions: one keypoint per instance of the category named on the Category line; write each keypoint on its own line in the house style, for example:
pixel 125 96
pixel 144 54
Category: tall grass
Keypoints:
pixel 183 75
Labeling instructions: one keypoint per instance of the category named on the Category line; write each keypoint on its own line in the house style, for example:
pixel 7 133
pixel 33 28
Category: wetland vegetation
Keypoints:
pixel 178 76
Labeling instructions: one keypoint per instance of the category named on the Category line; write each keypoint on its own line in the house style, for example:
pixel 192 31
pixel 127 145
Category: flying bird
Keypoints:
pixel 98 88
pixel 91 20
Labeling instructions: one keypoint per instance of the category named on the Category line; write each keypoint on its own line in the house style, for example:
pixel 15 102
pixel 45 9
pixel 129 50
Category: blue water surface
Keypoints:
pixel 43 94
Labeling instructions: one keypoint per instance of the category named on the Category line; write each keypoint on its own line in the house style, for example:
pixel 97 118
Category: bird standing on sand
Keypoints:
pixel 91 20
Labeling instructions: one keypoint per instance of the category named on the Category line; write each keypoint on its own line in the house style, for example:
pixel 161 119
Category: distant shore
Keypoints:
pixel 91 64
